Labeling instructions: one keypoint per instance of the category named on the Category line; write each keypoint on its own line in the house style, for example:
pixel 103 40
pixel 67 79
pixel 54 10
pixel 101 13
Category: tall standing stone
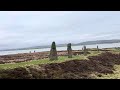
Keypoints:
pixel 69 49
pixel 85 50
pixel 53 52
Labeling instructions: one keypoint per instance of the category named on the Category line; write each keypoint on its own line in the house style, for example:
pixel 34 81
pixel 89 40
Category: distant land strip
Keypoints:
pixel 63 45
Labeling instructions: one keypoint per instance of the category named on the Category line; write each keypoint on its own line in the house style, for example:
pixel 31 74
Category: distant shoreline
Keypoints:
pixel 56 45
pixel 73 44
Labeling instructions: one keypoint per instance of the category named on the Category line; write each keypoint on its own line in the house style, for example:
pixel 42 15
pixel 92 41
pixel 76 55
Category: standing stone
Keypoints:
pixel 97 49
pixel 53 52
pixel 69 49
pixel 85 50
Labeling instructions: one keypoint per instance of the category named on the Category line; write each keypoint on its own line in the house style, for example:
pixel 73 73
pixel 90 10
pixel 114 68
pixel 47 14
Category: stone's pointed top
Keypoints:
pixel 53 46
pixel 53 42
pixel 69 44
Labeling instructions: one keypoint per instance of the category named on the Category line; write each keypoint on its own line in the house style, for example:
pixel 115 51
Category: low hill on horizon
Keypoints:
pixel 73 44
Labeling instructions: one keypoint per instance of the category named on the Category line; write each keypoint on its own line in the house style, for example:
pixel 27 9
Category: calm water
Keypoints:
pixel 60 48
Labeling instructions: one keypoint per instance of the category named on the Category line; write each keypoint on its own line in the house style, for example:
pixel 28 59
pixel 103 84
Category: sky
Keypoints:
pixel 20 29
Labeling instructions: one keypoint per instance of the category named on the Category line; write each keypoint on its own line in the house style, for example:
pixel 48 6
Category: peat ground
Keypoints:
pixel 74 69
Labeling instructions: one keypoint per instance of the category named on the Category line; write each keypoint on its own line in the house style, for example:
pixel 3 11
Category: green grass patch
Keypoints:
pixel 94 53
pixel 47 61
pixel 42 61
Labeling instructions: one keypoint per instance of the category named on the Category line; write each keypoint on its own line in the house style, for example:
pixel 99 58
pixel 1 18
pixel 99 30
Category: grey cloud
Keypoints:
pixel 24 29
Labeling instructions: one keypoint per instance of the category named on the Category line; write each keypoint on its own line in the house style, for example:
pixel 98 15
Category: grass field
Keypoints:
pixel 42 61
pixel 115 75
pixel 45 61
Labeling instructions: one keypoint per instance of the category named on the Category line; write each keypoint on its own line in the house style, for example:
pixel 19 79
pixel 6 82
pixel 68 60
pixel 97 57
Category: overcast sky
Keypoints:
pixel 33 28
